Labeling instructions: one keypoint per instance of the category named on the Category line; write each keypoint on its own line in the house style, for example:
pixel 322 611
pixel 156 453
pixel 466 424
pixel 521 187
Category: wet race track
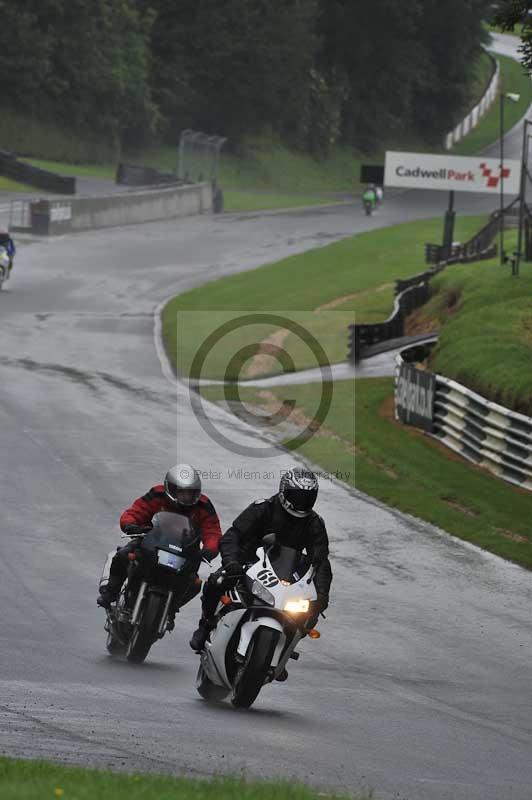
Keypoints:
pixel 420 685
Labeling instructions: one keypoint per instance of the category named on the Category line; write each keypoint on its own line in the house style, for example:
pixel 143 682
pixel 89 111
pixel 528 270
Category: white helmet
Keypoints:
pixel 182 484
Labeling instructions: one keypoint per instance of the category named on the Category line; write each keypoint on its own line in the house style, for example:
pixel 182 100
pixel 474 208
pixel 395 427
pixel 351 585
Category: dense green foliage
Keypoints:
pixel 82 65
pixel 314 72
pixel 516 16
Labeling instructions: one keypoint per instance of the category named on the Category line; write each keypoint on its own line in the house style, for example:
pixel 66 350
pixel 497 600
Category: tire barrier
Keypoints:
pixel 11 167
pixel 472 119
pixel 485 433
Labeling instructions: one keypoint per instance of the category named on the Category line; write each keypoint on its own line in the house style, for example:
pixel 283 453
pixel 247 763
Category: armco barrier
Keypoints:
pixel 472 119
pixel 484 432
pixel 23 172
pixel 51 217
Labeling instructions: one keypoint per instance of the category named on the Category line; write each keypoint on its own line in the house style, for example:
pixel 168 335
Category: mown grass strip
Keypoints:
pixel 343 273
pixel 40 780
pixel 361 443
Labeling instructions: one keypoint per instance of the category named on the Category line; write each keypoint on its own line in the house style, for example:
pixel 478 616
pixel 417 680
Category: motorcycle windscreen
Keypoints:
pixel 290 565
pixel 173 532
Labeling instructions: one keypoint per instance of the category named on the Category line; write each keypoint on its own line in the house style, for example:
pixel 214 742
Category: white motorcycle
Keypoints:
pixel 260 623
pixel 5 265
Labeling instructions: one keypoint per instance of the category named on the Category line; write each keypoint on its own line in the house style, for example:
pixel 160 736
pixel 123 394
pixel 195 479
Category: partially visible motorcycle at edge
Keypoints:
pixel 165 572
pixel 260 622
pixel 5 265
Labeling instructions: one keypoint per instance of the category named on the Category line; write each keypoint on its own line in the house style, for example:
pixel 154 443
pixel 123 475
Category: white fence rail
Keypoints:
pixel 472 119
pixel 484 432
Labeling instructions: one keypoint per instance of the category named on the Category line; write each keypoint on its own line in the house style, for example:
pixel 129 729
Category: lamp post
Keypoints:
pixel 522 192
pixel 514 98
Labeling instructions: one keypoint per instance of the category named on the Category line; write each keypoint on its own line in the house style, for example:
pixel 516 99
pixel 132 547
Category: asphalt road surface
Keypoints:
pixel 420 686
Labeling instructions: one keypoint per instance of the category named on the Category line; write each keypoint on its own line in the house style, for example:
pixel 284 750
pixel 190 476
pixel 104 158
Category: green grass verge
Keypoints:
pixel 513 79
pixel 8 185
pixel 40 780
pixel 517 31
pixel 367 448
pixel 350 270
pixel 486 338
pixel 84 170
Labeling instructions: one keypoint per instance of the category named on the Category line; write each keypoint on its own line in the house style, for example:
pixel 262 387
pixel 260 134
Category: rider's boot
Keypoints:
pixel 201 634
pixel 109 593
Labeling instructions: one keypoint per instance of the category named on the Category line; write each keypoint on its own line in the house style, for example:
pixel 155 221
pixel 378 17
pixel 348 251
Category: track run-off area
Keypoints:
pixel 420 684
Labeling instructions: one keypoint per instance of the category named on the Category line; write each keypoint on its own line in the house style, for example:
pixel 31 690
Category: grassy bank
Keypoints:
pixel 355 275
pixel 486 338
pixel 31 135
pixel 361 440
pixel 40 780
pixel 513 79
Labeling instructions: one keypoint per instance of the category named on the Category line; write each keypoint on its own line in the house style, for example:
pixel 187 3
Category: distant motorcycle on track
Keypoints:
pixel 372 198
pixel 260 623
pixel 163 574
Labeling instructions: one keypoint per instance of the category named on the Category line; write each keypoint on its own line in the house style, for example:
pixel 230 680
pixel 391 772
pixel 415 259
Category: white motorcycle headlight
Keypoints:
pixel 262 593
pixel 297 606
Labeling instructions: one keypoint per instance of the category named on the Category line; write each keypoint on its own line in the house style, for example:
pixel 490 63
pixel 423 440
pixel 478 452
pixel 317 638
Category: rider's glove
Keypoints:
pixel 322 602
pixel 137 530
pixel 233 569
pixel 318 605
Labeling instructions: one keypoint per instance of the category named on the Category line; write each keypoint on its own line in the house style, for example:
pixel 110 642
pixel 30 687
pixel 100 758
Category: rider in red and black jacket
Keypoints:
pixel 180 494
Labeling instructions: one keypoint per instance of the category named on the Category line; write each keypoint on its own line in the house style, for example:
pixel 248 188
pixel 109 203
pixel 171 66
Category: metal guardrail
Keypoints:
pixel 365 335
pixel 483 432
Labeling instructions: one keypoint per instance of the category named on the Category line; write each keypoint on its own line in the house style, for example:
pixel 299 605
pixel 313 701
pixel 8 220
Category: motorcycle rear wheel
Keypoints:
pixel 250 679
pixel 146 633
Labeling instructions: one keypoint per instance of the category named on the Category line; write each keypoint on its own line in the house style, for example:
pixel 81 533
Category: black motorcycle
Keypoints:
pixel 162 577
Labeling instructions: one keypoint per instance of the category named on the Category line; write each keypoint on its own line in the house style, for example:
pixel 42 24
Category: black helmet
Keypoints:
pixel 298 491
pixel 182 484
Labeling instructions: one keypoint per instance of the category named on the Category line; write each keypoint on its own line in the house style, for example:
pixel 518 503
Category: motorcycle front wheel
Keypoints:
pixel 207 689
pixel 250 678
pixel 114 647
pixel 146 632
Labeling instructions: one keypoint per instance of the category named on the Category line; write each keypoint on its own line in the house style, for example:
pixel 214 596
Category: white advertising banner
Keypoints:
pixel 458 173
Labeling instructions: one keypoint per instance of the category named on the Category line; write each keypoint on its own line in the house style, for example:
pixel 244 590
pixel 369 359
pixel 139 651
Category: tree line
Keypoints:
pixel 315 72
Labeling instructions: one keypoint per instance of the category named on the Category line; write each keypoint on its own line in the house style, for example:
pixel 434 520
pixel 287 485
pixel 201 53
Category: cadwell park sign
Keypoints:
pixel 451 173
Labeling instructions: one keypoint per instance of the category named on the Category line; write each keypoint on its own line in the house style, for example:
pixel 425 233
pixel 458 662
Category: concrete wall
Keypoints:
pixel 54 217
